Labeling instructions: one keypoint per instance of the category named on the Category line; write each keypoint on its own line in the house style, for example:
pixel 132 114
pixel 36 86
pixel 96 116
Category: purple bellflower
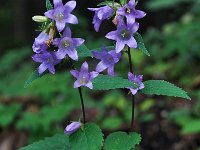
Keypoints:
pixel 84 78
pixel 71 128
pixel 61 14
pixel 101 14
pixel 48 60
pixel 124 35
pixel 130 12
pixel 67 45
pixel 39 44
pixel 135 79
pixel 108 60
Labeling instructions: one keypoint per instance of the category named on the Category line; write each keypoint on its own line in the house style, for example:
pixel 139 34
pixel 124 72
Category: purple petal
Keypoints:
pixel 131 3
pixel 75 73
pixel 93 74
pixel 139 14
pixel 115 56
pixel 101 67
pixel 135 27
pixel 84 67
pixel 111 71
pixel 49 14
pixel 71 19
pixel 112 35
pixel 131 77
pixel 78 41
pixel 70 6
pixel 74 126
pixel 97 23
pixel 57 3
pixel 37 58
pixel 56 41
pixel 120 11
pixel 60 54
pixel 67 32
pixel 130 19
pixel 119 46
pixel 51 69
pixel 89 85
pixel 93 9
pixel 60 26
pixel 133 91
pixel 141 86
pixel 72 54
pixel 132 43
pixel 77 84
pixel 42 68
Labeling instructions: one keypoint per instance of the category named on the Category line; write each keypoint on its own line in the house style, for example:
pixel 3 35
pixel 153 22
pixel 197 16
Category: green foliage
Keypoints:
pixel 83 51
pixel 123 2
pixel 112 123
pixel 140 43
pixel 57 142
pixel 121 140
pixel 48 5
pixel 89 137
pixel 160 87
pixel 32 77
pixel 107 3
pixel 105 82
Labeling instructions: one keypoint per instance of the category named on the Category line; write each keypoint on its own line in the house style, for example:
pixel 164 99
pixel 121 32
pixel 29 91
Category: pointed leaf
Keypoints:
pixel 48 5
pixel 83 51
pixel 57 142
pixel 106 3
pixel 105 82
pixel 122 141
pixel 160 87
pixel 140 43
pixel 89 137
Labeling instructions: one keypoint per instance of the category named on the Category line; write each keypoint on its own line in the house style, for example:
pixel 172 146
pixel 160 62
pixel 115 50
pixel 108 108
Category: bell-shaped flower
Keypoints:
pixel 71 128
pixel 67 45
pixel 108 60
pixel 61 14
pixel 84 77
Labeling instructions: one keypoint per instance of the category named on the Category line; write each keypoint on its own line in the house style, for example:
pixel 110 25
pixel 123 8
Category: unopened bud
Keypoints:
pixel 40 19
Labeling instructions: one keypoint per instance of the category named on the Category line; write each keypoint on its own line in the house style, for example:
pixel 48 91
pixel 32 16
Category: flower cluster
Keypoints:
pixel 50 50
pixel 125 21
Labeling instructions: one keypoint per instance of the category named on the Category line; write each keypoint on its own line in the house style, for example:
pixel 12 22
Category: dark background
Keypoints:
pixel 171 34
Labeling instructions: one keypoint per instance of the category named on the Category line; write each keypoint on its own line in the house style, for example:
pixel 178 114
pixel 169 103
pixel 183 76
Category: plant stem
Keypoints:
pixel 133 99
pixel 80 94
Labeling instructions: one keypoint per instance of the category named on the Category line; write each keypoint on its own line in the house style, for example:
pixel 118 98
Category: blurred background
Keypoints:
pixel 172 36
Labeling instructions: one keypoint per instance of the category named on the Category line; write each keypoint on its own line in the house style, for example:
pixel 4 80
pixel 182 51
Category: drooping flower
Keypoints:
pixel 39 44
pixel 124 35
pixel 67 45
pixel 130 12
pixel 71 128
pixel 61 14
pixel 101 14
pixel 48 60
pixel 84 78
pixel 108 60
pixel 135 79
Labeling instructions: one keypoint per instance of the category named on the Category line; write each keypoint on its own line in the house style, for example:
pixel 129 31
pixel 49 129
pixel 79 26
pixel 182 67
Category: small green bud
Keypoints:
pixel 40 19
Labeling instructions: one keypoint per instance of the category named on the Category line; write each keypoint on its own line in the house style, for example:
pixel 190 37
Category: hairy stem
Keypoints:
pixel 133 98
pixel 80 94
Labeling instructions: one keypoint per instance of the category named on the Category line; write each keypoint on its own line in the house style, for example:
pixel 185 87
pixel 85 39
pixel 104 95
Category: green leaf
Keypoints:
pixel 89 137
pixel 140 43
pixel 83 51
pixel 34 76
pixel 160 87
pixel 123 2
pixel 57 142
pixel 122 141
pixel 105 82
pixel 106 3
pixel 48 5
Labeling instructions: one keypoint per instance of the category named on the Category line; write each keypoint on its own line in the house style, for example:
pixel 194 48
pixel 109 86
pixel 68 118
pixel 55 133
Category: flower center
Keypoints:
pixel 125 34
pixel 83 80
pixel 127 10
pixel 60 16
pixel 66 44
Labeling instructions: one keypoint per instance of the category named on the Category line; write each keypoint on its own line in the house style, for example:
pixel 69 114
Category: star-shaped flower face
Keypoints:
pixel 84 78
pixel 135 79
pixel 61 14
pixel 130 12
pixel 39 44
pixel 67 45
pixel 48 60
pixel 124 36
pixel 108 60
pixel 101 14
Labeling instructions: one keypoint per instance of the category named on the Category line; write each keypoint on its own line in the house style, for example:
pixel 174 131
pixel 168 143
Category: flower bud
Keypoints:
pixel 73 127
pixel 40 19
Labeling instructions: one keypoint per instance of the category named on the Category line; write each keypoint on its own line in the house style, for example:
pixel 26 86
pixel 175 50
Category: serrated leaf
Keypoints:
pixel 57 142
pixel 83 51
pixel 105 82
pixel 161 87
pixel 34 76
pixel 48 5
pixel 122 141
pixel 88 138
pixel 106 3
pixel 140 43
